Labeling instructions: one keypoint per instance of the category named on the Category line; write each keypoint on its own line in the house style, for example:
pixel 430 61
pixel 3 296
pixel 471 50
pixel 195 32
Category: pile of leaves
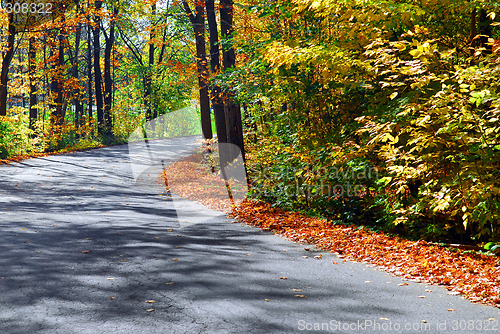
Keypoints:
pixel 475 276
pixel 190 178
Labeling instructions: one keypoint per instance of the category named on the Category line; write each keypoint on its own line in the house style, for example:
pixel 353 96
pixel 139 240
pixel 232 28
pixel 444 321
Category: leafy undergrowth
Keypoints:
pixel 475 276
pixel 71 149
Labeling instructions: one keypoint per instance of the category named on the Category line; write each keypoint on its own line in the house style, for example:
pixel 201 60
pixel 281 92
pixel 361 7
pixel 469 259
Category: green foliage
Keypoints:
pixel 14 136
pixel 390 86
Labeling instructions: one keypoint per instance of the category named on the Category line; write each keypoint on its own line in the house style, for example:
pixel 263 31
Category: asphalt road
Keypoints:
pixel 84 248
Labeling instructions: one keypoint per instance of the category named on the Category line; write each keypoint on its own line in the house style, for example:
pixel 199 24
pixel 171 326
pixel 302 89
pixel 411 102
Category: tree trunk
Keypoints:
pixel 217 101
pixel 233 110
pixel 484 25
pixel 6 60
pixel 31 73
pixel 149 75
pixel 74 73
pixel 89 72
pixel 198 23
pixel 56 82
pixel 108 81
pixel 97 71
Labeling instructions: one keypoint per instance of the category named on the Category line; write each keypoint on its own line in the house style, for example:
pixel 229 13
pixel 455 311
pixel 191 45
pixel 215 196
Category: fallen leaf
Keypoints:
pixel 283 277
pixel 402 284
pixel 297 290
pixel 384 318
pixel 427 290
pixel 169 283
pixel 267 300
pixel 175 259
pixel 112 297
pixel 421 297
pixel 85 251
pixel 318 256
pixel 151 301
pixel 450 309
pixel 300 296
pixel 334 262
pixel 367 281
pixel 305 257
pixel 150 310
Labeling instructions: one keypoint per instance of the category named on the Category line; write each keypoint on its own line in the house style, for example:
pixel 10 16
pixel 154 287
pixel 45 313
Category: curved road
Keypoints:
pixel 85 249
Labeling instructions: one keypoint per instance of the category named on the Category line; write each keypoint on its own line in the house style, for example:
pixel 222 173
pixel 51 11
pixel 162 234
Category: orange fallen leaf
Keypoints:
pixel 300 296
pixel 151 301
pixel 85 251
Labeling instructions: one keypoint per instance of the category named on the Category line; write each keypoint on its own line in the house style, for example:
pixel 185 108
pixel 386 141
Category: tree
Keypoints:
pixel 233 111
pixel 108 81
pixel 97 68
pixel 198 23
pixel 216 93
pixel 7 56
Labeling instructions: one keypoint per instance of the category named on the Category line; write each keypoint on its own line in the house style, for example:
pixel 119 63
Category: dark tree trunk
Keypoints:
pixel 97 72
pixel 233 110
pixel 484 25
pixel 149 75
pixel 74 73
pixel 31 73
pixel 6 60
pixel 56 82
pixel 108 80
pixel 217 101
pixel 198 22
pixel 89 72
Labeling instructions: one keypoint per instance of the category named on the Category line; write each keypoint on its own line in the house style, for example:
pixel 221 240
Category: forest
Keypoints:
pixel 376 113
